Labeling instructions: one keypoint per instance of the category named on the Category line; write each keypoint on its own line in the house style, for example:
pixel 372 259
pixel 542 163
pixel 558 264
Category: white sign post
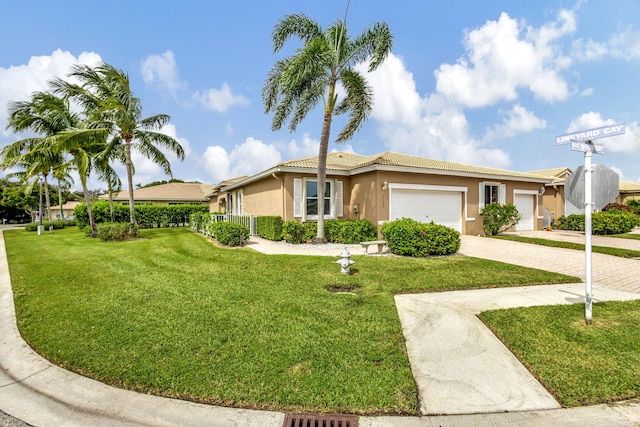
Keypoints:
pixel 582 141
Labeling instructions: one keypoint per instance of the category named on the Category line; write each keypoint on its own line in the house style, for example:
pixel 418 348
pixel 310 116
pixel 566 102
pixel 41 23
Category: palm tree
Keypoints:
pixel 46 115
pixel 106 96
pixel 295 85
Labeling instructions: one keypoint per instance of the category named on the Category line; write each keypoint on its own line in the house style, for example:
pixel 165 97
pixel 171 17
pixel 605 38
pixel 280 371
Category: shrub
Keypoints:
pixel 114 231
pixel 293 232
pixel 310 231
pixel 412 238
pixel 616 207
pixel 573 222
pixel 497 218
pixel 269 227
pixel 349 231
pixel 614 222
pixel 230 234
pixel 610 222
pixel 57 225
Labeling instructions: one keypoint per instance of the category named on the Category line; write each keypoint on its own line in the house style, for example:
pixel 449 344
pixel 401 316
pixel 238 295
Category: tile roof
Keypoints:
pixel 556 174
pixel 350 162
pixel 629 187
pixel 176 191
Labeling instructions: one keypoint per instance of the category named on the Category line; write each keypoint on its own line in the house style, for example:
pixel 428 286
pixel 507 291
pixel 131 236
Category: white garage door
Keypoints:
pixel 441 207
pixel 524 204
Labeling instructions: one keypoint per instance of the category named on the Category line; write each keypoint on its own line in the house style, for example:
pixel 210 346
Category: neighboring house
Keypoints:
pixel 555 203
pixel 218 196
pixel 173 193
pixel 389 186
pixel 67 210
pixel 628 191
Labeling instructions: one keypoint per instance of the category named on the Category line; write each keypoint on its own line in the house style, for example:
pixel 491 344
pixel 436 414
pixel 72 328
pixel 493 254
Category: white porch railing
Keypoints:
pixel 246 220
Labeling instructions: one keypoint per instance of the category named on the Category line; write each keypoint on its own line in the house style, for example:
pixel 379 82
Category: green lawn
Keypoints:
pixel 624 253
pixel 580 364
pixel 173 314
pixel 632 236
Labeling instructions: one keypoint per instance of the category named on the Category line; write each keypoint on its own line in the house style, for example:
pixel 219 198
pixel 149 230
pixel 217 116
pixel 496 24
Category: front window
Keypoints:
pixel 491 193
pixel 312 198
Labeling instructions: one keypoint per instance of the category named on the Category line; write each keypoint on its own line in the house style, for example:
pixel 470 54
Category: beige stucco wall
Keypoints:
pixel 263 197
pixel 274 195
pixel 553 200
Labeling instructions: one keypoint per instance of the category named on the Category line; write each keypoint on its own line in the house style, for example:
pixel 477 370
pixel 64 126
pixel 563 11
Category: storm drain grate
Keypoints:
pixel 298 420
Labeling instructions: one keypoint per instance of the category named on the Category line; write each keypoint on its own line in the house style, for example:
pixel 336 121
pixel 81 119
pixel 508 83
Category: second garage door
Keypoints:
pixel 441 207
pixel 524 204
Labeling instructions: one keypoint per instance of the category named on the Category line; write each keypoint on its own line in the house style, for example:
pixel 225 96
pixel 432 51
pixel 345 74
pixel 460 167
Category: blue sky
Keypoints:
pixel 480 82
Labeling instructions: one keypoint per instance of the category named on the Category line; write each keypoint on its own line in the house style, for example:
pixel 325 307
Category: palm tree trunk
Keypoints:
pixel 113 215
pixel 87 200
pixel 46 196
pixel 132 208
pixel 322 173
pixel 60 199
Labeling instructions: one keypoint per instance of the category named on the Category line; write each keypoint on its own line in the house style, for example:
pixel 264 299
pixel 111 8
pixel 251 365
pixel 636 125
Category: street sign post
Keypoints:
pixel 583 141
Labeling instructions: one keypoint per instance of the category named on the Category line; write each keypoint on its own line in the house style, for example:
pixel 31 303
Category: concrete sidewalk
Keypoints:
pixel 453 358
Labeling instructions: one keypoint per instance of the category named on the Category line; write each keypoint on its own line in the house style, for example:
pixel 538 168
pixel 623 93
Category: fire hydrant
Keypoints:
pixel 345 262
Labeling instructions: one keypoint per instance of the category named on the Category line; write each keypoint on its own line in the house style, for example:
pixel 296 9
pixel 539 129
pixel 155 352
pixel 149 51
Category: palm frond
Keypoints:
pixel 296 25
pixel 358 102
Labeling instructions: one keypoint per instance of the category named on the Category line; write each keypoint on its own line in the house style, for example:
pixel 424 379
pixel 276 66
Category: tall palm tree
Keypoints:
pixel 295 85
pixel 45 115
pixel 105 94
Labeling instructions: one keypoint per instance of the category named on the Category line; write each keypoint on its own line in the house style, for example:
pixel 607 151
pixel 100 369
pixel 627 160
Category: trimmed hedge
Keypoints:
pixel 269 227
pixel 347 231
pixel 57 225
pixel 147 216
pixel 230 234
pixel 612 221
pixel 412 238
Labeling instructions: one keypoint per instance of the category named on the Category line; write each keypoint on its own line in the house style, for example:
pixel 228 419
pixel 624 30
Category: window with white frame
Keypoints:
pixel 239 203
pixel 491 192
pixel 305 199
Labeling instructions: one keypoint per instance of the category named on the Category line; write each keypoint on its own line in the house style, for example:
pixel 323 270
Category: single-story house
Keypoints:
pixel 173 193
pixel 389 186
pixel 554 201
pixel 67 210
pixel 218 196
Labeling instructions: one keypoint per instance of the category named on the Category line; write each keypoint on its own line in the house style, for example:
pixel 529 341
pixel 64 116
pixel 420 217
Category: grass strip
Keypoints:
pixel 623 253
pixel 172 314
pixel 580 364
pixel 632 236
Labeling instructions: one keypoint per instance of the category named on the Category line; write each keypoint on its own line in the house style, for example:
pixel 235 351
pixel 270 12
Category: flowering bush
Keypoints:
pixel 498 218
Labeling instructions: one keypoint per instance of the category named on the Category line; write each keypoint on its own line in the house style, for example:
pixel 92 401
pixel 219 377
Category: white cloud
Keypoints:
pixel 219 100
pixel 18 82
pixel 432 126
pixel 170 130
pixel 516 121
pixel 248 158
pixel 398 101
pixel 502 58
pixel 587 92
pixel 306 148
pixel 216 163
pixel 623 45
pixel 161 69
pixel 626 143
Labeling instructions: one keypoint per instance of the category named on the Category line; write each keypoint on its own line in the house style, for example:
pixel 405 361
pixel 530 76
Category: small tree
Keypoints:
pixel 498 218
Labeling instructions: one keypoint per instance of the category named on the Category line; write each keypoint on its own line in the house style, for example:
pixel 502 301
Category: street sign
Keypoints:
pixel 591 134
pixel 605 187
pixel 586 146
